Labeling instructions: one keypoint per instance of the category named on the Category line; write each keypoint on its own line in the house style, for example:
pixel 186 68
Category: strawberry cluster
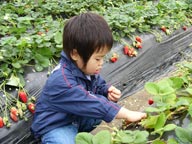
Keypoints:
pixel 138 42
pixel 24 99
pixel 18 109
pixel 130 51
pixel 166 30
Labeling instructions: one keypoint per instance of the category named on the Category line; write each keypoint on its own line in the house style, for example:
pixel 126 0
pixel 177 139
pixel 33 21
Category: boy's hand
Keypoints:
pixel 114 94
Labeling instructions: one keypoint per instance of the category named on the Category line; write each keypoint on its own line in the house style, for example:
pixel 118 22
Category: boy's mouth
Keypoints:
pixel 97 71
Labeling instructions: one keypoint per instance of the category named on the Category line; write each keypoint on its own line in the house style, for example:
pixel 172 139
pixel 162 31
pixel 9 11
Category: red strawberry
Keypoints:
pixel 14 117
pixel 150 101
pixel 184 28
pixel 137 38
pixel 163 28
pixel 14 111
pixel 113 59
pixel 126 49
pixel 1 122
pixel 31 107
pixel 23 96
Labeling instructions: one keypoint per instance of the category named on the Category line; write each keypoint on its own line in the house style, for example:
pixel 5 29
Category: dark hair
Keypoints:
pixel 87 33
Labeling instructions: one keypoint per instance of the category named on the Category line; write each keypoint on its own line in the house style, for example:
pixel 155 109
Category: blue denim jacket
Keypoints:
pixel 69 94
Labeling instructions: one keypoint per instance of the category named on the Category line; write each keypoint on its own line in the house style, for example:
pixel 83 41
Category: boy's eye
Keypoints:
pixel 97 59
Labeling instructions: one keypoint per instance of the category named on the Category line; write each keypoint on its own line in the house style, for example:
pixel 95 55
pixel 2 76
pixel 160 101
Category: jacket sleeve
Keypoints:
pixel 102 86
pixel 62 93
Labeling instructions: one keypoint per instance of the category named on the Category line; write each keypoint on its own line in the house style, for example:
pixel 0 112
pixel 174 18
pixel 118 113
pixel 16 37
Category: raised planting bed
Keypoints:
pixel 128 74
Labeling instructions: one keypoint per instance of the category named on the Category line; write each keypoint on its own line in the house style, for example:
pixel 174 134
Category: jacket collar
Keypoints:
pixel 75 70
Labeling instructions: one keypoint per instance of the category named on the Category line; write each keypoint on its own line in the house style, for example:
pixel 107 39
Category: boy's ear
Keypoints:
pixel 74 55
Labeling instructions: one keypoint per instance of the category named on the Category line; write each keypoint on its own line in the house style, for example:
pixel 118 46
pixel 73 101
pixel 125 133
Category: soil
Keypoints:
pixel 137 102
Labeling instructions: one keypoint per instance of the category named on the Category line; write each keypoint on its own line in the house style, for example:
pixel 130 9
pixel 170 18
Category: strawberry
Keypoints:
pixel 184 28
pixel 23 96
pixel 113 59
pixel 14 111
pixel 150 101
pixel 132 52
pixel 125 49
pixel 31 107
pixel 138 45
pixel 39 33
pixel 14 117
pixel 46 29
pixel 1 122
pixel 163 28
pixel 137 38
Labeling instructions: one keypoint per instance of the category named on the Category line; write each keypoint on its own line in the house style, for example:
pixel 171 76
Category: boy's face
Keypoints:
pixel 94 64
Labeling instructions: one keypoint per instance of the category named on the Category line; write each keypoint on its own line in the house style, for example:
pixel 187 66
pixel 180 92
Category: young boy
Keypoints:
pixel 75 98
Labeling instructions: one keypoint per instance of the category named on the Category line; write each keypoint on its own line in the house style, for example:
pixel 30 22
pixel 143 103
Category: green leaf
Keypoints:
pixel 140 136
pixel 38 67
pixel 176 82
pixel 84 138
pixel 169 127
pixel 165 87
pixel 152 109
pixel 58 38
pixel 152 88
pixel 102 137
pixel 125 136
pixel 158 142
pixel 182 101
pixel 169 99
pixel 189 66
pixel 190 110
pixel 42 60
pixel 16 65
pixel 13 81
pixel 189 90
pixel 160 121
pixel 45 51
pixel 185 135
pixel 150 122
pixel 172 141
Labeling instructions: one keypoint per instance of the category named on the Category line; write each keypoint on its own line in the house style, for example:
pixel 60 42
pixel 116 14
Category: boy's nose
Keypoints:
pixel 101 63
